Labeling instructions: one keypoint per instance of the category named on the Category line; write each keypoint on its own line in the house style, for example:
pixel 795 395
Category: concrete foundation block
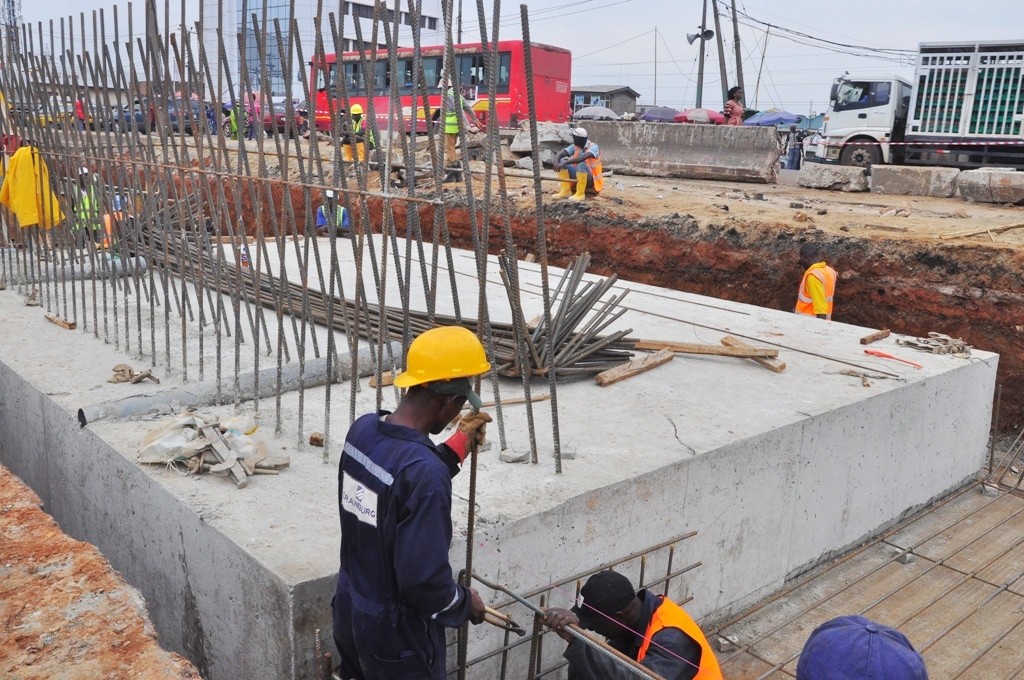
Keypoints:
pixel 715 152
pixel 902 180
pixel 991 186
pixel 833 177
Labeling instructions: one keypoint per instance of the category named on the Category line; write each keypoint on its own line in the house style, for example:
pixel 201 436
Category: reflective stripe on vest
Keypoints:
pixel 670 615
pixel 804 303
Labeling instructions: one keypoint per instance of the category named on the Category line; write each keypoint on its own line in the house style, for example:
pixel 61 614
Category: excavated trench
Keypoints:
pixel 913 287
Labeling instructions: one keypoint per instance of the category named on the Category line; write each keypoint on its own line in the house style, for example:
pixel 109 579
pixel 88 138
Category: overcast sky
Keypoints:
pixel 627 42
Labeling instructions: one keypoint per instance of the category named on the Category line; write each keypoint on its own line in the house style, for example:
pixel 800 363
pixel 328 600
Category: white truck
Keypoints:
pixel 964 108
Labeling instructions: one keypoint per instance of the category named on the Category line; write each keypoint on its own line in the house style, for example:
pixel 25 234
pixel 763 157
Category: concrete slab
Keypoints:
pixel 833 177
pixel 991 186
pixel 905 180
pixel 775 471
pixel 719 152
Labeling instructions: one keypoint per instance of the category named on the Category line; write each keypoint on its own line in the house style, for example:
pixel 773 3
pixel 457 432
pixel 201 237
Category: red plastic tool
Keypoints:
pixel 886 355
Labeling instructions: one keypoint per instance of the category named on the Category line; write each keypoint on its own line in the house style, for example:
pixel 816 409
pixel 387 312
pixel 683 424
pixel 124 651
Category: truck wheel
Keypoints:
pixel 861 156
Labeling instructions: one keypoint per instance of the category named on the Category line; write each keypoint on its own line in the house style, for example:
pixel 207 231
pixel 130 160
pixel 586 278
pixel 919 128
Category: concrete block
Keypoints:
pixel 549 136
pixel 716 152
pixel 525 163
pixel 902 180
pixel 834 177
pixel 991 186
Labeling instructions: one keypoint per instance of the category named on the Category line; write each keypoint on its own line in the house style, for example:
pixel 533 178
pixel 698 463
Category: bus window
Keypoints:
pixel 405 74
pixel 432 71
pixel 353 78
pixel 381 77
pixel 471 70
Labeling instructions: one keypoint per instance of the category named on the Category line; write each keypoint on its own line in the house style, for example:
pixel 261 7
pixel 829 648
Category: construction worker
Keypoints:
pixel 332 215
pixel 579 164
pixel 230 123
pixel 854 648
pixel 359 137
pixel 650 628
pixel 818 286
pixel 395 592
pixel 456 108
pixel 87 224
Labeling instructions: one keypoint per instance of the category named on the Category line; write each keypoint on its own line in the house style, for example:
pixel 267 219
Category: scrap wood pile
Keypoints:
pixel 578 316
pixel 199 444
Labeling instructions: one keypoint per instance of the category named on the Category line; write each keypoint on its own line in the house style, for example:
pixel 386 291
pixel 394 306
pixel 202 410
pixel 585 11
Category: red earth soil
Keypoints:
pixel 65 612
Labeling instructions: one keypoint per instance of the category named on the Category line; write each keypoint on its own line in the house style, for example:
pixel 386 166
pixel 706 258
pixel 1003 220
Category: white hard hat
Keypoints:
pixel 83 170
pixel 580 132
pixel 329 193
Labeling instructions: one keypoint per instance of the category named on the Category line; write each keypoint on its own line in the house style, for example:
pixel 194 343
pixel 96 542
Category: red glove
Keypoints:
pixel 472 428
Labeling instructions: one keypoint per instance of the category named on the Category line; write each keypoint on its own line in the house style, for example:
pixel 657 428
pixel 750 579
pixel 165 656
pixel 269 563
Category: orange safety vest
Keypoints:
pixel 827 276
pixel 670 615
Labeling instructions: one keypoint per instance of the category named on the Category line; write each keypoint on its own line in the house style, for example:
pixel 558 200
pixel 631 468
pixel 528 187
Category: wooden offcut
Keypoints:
pixel 868 339
pixel 634 367
pixel 225 454
pixel 747 352
pixel 771 364
pixel 983 230
pixel 386 378
pixel 62 322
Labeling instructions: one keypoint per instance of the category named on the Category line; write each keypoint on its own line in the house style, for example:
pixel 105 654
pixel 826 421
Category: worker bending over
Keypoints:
pixel 650 628
pixel 395 592
pixel 818 286
pixel 580 162
pixel 332 216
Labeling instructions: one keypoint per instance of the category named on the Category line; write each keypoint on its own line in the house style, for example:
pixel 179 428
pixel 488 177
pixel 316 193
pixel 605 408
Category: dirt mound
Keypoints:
pixel 66 613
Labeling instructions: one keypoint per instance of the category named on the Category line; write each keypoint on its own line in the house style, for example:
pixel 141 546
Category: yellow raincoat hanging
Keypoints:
pixel 27 191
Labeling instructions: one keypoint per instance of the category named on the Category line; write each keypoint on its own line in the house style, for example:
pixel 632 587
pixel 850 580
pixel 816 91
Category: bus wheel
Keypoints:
pixel 861 155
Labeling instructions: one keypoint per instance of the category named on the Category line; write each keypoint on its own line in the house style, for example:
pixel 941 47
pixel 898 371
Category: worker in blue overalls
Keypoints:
pixel 395 592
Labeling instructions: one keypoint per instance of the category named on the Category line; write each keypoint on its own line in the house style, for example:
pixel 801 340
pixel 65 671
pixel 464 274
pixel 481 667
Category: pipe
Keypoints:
pixel 205 393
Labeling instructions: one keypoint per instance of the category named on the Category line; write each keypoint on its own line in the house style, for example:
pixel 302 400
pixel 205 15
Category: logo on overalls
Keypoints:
pixel 358 500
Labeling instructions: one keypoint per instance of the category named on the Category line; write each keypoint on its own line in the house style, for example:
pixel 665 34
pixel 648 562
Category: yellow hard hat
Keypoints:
pixel 443 353
pixel 357 109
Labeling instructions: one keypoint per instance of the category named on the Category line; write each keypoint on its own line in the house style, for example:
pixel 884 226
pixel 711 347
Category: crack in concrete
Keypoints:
pixel 675 433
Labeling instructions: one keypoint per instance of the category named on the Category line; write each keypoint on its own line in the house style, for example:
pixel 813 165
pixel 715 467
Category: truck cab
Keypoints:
pixel 864 116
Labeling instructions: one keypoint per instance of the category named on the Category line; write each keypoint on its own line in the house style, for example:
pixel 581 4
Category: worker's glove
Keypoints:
pixel 472 430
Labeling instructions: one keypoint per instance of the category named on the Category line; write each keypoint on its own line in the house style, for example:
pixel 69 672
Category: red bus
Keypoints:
pixel 551 77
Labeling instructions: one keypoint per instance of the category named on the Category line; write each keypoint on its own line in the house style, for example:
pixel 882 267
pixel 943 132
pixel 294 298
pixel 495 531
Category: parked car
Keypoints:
pixel 136 117
pixel 277 120
pixel 189 118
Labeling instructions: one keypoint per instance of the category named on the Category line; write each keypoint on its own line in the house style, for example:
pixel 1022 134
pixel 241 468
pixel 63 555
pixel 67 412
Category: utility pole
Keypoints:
pixel 459 39
pixel 764 49
pixel 736 44
pixel 655 65
pixel 721 52
pixel 700 57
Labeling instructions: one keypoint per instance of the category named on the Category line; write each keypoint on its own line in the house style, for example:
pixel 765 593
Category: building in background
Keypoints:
pixel 272 73
pixel 619 98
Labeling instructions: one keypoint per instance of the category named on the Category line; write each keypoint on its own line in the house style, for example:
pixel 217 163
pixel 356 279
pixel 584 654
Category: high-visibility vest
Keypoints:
pixel 451 118
pixel 88 210
pixel 339 215
pixel 362 127
pixel 670 615
pixel 827 276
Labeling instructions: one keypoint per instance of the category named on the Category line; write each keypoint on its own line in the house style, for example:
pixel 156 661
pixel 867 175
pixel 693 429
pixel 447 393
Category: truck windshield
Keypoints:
pixel 853 94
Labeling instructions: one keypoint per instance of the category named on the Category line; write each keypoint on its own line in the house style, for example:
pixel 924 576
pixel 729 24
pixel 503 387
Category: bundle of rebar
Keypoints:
pixel 577 324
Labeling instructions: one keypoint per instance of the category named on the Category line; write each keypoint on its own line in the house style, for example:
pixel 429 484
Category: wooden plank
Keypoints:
pixel 868 339
pixel 634 367
pixel 696 348
pixel 224 453
pixel 386 378
pixel 771 364
pixel 63 323
pixel 983 230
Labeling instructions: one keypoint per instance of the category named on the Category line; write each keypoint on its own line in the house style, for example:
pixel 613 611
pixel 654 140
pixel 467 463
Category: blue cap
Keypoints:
pixel 857 648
